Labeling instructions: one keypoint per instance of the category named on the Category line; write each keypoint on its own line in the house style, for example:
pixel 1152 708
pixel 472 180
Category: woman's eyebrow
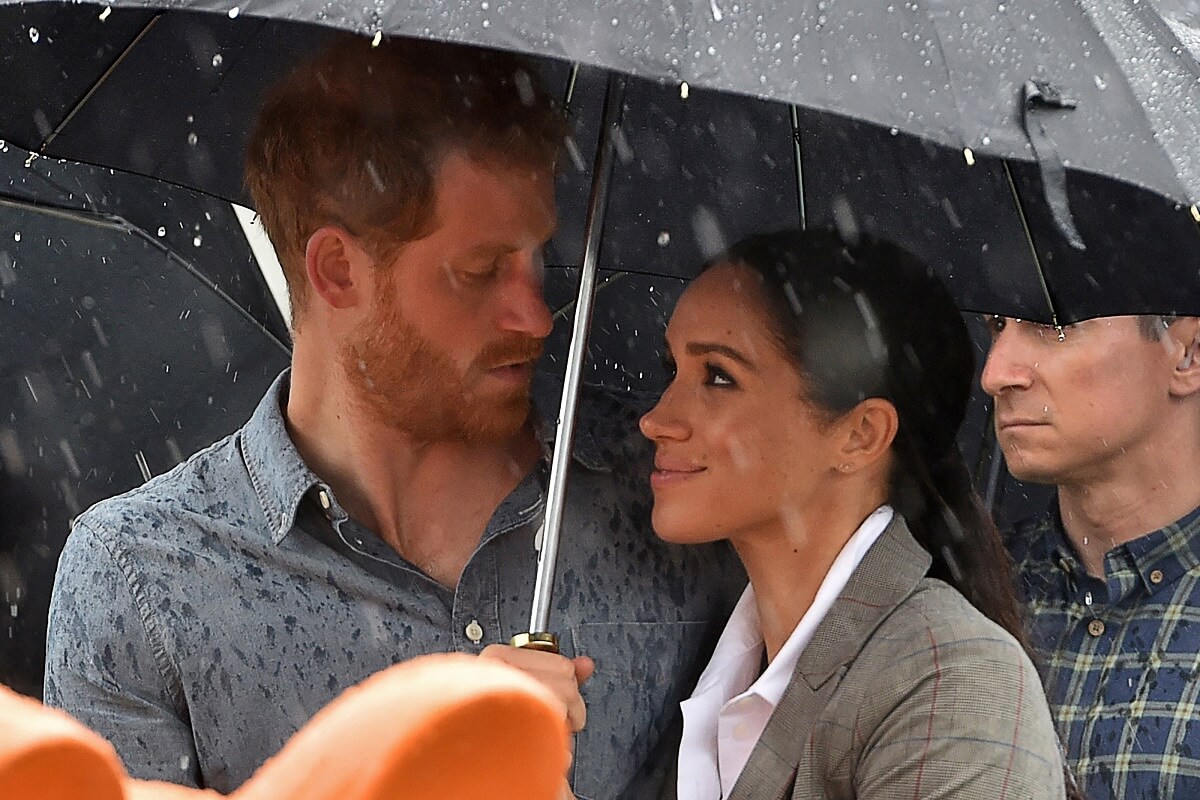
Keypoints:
pixel 705 348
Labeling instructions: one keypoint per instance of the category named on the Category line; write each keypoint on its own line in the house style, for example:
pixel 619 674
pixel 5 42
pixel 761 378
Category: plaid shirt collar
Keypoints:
pixel 1146 565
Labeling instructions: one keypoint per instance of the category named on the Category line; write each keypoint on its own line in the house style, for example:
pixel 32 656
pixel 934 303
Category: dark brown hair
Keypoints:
pixel 355 136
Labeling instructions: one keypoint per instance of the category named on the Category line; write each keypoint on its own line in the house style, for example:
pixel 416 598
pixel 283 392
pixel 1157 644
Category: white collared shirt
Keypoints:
pixel 730 707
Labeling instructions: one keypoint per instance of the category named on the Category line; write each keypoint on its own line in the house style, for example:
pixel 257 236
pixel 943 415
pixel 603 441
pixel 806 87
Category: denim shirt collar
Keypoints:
pixel 281 479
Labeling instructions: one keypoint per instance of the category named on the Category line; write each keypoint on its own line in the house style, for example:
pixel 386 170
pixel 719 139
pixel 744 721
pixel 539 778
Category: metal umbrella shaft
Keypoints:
pixel 565 428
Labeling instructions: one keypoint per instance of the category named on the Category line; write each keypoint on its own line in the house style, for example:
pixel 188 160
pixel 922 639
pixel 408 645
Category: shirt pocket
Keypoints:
pixel 643 671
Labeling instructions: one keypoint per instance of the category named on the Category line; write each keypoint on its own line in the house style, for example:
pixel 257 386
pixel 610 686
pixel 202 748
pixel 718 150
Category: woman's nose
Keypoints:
pixel 663 421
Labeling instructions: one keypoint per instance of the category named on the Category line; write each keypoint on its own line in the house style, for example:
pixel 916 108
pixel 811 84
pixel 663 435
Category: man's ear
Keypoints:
pixel 868 432
pixel 337 267
pixel 1184 341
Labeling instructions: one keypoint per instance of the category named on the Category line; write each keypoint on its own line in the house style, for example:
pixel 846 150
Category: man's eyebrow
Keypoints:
pixel 705 348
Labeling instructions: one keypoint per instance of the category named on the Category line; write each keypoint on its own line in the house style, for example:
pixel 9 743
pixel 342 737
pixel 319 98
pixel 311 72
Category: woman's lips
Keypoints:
pixel 662 478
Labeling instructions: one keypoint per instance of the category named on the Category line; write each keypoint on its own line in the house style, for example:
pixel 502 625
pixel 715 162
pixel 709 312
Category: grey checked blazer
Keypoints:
pixel 906 692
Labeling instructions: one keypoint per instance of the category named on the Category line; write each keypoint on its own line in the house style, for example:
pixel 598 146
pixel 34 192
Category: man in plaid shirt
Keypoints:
pixel 1108 411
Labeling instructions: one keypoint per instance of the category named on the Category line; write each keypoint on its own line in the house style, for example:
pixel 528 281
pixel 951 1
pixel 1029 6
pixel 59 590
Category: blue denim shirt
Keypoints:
pixel 198 621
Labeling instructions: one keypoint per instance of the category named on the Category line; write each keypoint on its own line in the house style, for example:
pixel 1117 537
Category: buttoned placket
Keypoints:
pixel 476 613
pixel 1082 596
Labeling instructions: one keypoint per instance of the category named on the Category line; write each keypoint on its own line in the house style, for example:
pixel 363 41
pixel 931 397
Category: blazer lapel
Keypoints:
pixel 888 574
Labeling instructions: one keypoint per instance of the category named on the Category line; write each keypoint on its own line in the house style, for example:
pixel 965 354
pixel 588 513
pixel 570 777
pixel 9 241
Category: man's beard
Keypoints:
pixel 409 385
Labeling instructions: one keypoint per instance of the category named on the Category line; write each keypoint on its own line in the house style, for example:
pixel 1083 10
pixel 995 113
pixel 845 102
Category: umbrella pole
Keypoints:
pixel 538 637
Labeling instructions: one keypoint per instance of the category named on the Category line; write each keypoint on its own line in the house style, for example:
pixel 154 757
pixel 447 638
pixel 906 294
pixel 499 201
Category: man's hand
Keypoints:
pixel 561 675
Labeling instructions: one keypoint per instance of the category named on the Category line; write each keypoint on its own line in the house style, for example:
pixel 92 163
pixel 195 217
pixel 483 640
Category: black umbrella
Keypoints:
pixel 996 143
pixel 119 358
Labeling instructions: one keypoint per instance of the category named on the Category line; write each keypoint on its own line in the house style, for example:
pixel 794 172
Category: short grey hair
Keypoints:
pixel 1152 326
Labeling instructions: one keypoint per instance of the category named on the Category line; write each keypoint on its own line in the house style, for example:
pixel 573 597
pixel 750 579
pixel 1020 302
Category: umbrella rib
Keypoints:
pixel 563 311
pixel 96 86
pixel 117 223
pixel 1037 261
pixel 795 114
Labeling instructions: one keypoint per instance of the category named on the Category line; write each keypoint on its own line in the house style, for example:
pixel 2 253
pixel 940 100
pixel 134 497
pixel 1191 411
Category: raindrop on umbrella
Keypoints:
pixel 34 35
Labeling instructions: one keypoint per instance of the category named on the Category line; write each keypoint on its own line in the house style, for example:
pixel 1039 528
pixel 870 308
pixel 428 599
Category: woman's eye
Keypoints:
pixel 718 376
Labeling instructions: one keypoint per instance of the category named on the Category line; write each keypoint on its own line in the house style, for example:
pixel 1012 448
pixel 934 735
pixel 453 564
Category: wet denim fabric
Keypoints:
pixel 198 621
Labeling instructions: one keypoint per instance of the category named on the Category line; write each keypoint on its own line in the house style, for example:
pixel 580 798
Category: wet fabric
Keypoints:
pixel 1120 656
pixel 200 620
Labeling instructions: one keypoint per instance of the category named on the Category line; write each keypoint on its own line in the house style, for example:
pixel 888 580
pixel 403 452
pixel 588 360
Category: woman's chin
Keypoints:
pixel 678 526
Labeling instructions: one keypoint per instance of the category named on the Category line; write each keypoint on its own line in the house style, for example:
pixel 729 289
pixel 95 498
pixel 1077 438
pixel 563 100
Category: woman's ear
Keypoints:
pixel 337 267
pixel 868 432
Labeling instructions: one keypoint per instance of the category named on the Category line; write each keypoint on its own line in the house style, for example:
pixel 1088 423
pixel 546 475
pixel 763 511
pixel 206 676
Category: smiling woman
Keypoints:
pixel 811 421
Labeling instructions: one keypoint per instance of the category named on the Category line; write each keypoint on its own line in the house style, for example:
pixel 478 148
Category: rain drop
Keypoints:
pixel 712 51
pixel 664 239
pixel 162 231
pixel 683 90
pixel 894 131
pixel 378 38
pixel 104 14
pixel 217 59
pixel 969 155
pixel 193 138
pixel 34 35
pixel 233 12
pixel 17 236
pixel 197 240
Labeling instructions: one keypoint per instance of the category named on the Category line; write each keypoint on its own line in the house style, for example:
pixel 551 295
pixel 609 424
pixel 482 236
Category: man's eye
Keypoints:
pixel 995 324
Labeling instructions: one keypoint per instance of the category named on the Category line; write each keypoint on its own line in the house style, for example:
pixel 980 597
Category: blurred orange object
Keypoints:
pixel 437 727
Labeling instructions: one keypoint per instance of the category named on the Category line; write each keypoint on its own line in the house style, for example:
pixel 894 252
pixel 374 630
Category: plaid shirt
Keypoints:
pixel 1120 656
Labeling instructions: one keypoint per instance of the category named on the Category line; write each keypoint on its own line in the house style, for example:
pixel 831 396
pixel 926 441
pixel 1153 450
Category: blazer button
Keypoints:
pixel 1095 627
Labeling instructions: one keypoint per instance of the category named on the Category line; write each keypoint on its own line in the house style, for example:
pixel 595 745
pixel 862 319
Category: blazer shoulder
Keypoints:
pixel 936 612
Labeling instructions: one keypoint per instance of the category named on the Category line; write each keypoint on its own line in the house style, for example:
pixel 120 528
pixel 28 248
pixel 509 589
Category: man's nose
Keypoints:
pixel 1005 367
pixel 525 310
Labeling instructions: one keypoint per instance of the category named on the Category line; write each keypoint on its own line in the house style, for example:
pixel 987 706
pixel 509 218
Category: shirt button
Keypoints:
pixel 474 631
pixel 1095 627
pixel 1156 577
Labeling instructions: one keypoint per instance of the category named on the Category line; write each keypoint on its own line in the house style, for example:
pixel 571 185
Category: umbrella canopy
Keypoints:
pixel 118 360
pixel 171 95
pixel 958 74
